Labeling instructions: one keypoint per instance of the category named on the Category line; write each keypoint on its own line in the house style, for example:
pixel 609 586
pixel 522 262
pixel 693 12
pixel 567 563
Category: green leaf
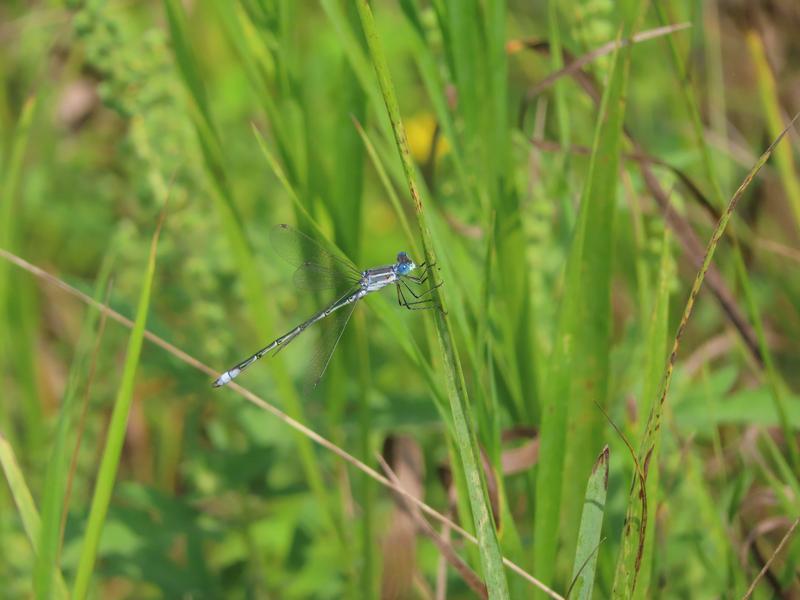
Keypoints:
pixel 594 504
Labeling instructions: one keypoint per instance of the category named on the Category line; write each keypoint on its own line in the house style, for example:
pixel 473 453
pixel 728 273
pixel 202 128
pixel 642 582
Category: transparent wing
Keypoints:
pixel 311 277
pixel 330 333
pixel 306 253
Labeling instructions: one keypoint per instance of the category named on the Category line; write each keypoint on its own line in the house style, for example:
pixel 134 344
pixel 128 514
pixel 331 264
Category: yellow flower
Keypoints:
pixel 420 129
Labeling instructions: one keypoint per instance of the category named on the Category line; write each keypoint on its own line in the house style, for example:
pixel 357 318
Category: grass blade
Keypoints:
pixel 24 501
pixel 589 533
pixel 632 540
pixel 770 101
pixel 55 482
pixel 20 492
pixel 578 374
pixel 109 463
pixel 10 177
pixel 491 557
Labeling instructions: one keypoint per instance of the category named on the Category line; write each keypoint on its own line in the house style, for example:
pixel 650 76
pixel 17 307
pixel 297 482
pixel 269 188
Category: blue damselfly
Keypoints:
pixel 319 269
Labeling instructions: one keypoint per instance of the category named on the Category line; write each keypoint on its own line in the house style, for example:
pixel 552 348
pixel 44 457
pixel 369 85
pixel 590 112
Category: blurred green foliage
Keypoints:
pixel 246 114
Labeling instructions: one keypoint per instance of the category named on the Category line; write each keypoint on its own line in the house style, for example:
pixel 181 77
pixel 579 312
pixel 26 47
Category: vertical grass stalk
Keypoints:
pixel 491 558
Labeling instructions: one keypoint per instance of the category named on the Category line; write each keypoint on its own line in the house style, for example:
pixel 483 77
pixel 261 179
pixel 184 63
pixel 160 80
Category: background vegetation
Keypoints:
pixel 147 149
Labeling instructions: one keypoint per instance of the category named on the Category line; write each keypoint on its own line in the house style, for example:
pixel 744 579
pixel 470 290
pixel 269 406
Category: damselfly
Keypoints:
pixel 319 269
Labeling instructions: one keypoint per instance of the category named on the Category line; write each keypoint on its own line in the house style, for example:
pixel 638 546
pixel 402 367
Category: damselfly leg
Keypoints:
pixel 420 303
pixel 423 292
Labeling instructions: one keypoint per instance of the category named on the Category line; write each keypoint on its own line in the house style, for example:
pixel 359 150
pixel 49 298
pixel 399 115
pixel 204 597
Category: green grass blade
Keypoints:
pixel 594 504
pixel 24 502
pixel 107 473
pixel 656 350
pixel 20 492
pixel 434 85
pixel 55 482
pixel 377 163
pixel 11 174
pixel 559 92
pixel 771 105
pixel 354 50
pixel 626 568
pixel 578 374
pixel 491 557
pixel 10 178
pixel 255 58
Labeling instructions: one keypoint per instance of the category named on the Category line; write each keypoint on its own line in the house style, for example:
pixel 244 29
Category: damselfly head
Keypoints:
pixel 404 264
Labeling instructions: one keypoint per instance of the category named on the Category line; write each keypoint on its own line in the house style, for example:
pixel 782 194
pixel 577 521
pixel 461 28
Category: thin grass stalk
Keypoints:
pixel 491 557
pixel 786 537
